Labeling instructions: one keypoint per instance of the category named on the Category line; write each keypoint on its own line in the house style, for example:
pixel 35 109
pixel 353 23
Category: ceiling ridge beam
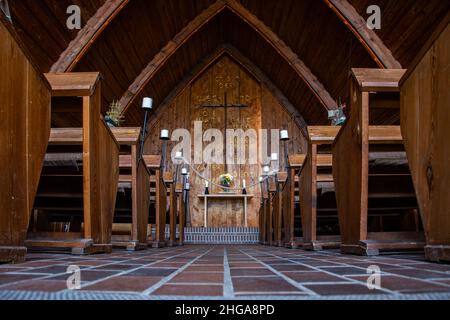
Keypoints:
pixel 380 53
pixel 265 80
pixel 245 63
pixel 284 50
pixel 87 36
pixel 169 49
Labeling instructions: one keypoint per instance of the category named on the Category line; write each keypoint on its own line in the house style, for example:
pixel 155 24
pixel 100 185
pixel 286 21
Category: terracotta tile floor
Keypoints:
pixel 225 272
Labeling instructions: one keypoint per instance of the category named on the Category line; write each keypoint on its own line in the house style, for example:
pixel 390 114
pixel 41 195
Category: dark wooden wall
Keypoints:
pixel 264 111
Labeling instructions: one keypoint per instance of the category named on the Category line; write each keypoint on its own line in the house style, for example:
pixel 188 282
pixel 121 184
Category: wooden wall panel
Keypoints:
pixel 25 123
pixel 425 118
pixel 264 111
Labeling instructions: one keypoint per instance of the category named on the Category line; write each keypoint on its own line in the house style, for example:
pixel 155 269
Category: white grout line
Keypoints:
pixel 354 281
pixel 287 279
pixel 228 289
pixel 88 268
pixel 165 280
pixel 373 260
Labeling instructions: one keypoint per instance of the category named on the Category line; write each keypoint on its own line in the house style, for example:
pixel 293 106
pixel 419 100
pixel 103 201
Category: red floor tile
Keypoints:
pixel 190 290
pixel 124 283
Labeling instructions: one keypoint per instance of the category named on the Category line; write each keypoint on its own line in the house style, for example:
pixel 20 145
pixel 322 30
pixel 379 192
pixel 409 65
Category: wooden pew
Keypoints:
pixel 277 206
pixel 158 201
pixel 291 200
pixel 425 118
pixel 371 174
pixel 181 212
pixel 84 198
pixel 172 198
pixel 266 214
pixel 317 198
pixel 133 199
pixel 25 111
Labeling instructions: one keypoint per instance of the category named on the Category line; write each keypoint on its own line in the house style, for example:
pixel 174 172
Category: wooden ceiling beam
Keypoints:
pixel 197 23
pixel 88 35
pixel 367 37
pixel 286 52
pixel 164 55
pixel 244 62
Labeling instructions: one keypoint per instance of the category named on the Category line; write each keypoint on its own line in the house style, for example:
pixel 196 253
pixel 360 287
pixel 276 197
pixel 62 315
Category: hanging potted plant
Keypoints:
pixel 113 117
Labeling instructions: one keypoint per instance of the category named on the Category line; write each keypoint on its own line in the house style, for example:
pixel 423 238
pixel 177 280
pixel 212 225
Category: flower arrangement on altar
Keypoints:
pixel 225 180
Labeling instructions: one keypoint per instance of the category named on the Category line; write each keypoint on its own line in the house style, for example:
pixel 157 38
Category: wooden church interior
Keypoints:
pixel 379 182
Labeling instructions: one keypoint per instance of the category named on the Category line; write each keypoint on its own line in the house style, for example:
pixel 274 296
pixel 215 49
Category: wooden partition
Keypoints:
pixel 158 200
pixel 425 122
pixel 132 206
pixel 279 226
pixel 317 188
pixel 362 187
pixel 291 200
pixel 181 212
pixel 99 152
pixel 172 198
pixel 267 211
pixel 25 128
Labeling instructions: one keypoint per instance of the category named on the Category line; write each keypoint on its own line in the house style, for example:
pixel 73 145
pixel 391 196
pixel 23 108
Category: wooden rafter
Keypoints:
pixel 88 35
pixel 368 38
pixel 286 53
pixel 164 55
pixel 247 65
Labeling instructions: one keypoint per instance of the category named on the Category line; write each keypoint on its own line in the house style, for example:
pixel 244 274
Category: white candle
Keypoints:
pixel 284 135
pixel 266 169
pixel 187 186
pixel 164 134
pixel 179 155
pixel 261 179
pixel 184 171
pixel 274 157
pixel 147 103
pixel 206 183
pixel 243 184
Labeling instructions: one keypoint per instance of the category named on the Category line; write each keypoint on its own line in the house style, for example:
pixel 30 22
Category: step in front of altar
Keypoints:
pixel 237 235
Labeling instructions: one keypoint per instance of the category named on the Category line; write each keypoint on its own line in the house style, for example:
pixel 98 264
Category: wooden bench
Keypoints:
pixel 181 211
pixel 425 119
pixel 172 199
pixel 373 184
pixel 291 200
pixel 133 199
pixel 158 201
pixel 277 209
pixel 317 199
pixel 78 184
pixel 25 110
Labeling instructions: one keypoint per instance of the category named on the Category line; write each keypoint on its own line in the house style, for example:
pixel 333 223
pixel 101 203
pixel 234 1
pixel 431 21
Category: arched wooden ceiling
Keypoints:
pixel 123 40
pixel 239 58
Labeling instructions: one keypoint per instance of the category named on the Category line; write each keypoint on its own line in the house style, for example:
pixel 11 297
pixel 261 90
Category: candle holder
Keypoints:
pixel 164 137
pixel 284 137
pixel 244 189
pixel 147 104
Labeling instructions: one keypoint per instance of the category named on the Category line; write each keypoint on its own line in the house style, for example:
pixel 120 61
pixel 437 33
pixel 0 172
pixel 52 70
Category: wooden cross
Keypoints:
pixel 225 105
